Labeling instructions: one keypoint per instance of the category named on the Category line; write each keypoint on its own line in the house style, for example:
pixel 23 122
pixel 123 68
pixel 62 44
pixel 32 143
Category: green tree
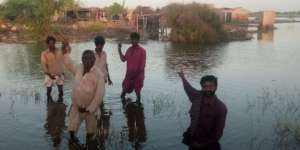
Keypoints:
pixel 193 23
pixel 115 9
pixel 1 11
pixel 35 14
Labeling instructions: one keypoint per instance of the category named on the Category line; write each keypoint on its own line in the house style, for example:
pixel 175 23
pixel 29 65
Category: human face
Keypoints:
pixel 99 48
pixel 51 45
pixel 209 88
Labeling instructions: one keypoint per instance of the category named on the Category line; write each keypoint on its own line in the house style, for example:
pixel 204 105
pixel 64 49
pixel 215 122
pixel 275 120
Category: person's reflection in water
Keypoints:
pixel 55 122
pixel 136 123
pixel 103 127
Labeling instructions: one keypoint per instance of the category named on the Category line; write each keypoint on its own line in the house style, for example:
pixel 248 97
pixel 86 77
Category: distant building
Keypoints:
pixel 233 15
pixel 267 19
pixel 85 14
pixel 145 20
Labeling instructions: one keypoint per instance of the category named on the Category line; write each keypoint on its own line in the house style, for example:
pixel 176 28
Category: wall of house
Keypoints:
pixel 267 19
pixel 240 15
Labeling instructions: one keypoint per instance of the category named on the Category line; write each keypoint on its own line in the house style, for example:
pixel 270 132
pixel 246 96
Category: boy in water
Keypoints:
pixel 87 95
pixel 101 58
pixel 52 64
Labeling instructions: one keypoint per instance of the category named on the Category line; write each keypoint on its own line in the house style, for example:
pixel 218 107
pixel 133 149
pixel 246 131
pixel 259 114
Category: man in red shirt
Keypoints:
pixel 136 60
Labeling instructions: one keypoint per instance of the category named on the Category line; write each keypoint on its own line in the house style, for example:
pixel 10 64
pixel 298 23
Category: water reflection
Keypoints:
pixel 241 66
pixel 267 36
pixel 103 127
pixel 55 122
pixel 136 123
pixel 192 58
pixel 24 60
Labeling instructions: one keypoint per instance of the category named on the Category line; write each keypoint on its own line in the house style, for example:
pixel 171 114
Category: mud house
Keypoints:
pixel 85 14
pixel 146 21
pixel 267 19
pixel 233 15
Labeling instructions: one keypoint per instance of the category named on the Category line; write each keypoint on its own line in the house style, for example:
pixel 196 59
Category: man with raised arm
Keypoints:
pixel 135 57
pixel 207 114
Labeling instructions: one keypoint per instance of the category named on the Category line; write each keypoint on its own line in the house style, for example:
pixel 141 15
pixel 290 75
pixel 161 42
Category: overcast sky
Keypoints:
pixel 253 5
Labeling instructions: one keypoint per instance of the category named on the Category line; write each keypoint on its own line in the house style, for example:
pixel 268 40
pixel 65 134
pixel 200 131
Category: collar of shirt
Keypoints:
pixel 209 101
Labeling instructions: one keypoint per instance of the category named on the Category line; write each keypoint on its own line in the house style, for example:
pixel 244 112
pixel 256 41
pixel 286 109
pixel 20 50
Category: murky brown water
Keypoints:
pixel 245 70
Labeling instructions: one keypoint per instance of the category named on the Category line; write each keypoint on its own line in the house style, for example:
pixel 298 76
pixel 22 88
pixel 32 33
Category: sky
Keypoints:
pixel 252 5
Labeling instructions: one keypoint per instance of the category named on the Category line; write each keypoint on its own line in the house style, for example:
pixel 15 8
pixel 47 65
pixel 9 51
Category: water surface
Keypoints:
pixel 246 70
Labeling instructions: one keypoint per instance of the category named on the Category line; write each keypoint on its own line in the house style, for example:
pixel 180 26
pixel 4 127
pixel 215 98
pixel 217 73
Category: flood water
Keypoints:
pixel 246 71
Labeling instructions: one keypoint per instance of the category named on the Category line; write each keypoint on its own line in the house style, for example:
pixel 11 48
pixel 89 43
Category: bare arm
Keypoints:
pixel 69 64
pixel 67 59
pixel 108 76
pixel 45 66
pixel 122 57
pixel 44 63
pixel 98 97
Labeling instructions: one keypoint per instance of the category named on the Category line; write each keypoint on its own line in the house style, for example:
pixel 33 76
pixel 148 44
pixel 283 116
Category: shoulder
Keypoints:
pixel 96 71
pixel 142 49
pixel 129 48
pixel 45 52
pixel 221 106
pixel 104 53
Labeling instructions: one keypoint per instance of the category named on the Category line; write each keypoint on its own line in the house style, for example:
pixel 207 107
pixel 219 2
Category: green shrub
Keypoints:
pixel 193 23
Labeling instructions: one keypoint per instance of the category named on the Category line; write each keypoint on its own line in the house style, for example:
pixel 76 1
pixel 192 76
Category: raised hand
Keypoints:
pixel 110 82
pixel 181 73
pixel 119 46
pixel 66 47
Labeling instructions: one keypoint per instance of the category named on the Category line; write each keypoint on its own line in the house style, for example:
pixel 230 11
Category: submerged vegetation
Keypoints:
pixel 285 110
pixel 193 23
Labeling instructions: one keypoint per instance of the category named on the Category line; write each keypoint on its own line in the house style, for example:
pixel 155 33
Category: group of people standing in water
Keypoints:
pixel 207 113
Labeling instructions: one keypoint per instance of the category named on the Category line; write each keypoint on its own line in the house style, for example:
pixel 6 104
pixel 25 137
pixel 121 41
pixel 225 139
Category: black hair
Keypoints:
pixel 99 40
pixel 50 38
pixel 135 36
pixel 88 60
pixel 64 45
pixel 209 78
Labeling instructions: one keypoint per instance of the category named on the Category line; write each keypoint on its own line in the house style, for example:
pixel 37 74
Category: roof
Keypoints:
pixel 144 10
pixel 233 9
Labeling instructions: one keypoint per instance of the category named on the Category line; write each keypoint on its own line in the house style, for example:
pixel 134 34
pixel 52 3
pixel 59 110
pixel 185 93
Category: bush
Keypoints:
pixel 90 26
pixel 193 23
pixel 36 15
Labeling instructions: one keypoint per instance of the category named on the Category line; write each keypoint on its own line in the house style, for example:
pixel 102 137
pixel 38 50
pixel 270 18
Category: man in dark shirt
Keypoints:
pixel 207 113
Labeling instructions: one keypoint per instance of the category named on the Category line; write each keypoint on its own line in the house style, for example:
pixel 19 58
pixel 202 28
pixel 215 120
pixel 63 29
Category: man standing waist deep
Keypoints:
pixel 207 113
